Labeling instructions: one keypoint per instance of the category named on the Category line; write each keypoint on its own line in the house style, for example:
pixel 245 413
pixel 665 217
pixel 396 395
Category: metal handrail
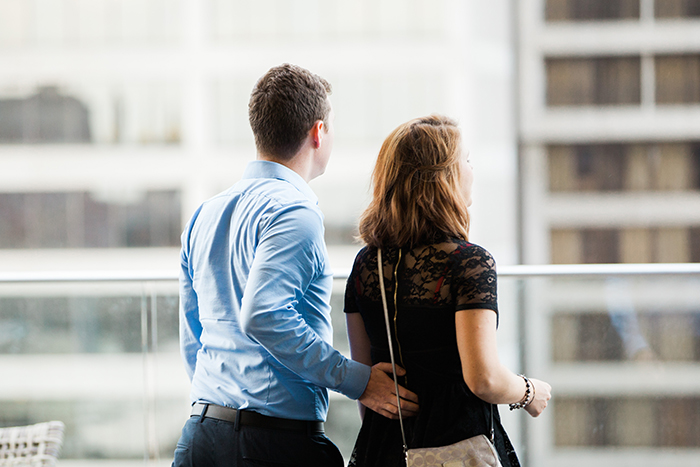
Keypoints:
pixel 521 270
pixel 634 269
pixel 89 276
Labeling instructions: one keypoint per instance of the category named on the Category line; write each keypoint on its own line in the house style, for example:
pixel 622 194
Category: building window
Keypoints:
pixel 695 245
pixel 593 81
pixel 627 421
pixel 623 333
pixel 45 117
pixel 677 79
pixel 624 167
pixel 127 113
pixel 676 8
pixel 625 245
pixel 85 220
pixel 591 10
pixel 586 167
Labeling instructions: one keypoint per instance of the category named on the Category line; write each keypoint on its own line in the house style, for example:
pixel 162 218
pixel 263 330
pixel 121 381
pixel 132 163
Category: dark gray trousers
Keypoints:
pixel 216 443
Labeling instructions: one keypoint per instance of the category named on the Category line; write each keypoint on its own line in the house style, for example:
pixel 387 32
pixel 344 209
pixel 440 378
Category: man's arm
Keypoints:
pixel 287 260
pixel 190 326
pixel 285 263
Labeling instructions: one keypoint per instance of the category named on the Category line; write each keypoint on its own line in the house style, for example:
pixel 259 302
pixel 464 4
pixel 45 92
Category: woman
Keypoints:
pixel 441 293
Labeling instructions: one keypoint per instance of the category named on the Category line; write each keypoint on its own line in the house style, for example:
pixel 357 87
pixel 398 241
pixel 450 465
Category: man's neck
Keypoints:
pixel 301 163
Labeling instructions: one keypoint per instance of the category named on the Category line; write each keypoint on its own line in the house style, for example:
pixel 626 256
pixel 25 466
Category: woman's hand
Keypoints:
pixel 543 392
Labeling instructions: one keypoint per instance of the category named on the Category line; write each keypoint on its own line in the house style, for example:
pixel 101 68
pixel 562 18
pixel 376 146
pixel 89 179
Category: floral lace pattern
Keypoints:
pixel 453 272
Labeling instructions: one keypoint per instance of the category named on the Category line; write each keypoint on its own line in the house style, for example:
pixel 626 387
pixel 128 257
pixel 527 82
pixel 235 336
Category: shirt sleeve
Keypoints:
pixel 288 258
pixel 190 326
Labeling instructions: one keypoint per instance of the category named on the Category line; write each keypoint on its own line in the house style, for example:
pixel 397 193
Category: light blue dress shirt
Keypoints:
pixel 255 284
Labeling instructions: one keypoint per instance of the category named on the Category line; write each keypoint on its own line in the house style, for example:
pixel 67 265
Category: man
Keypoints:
pixel 255 285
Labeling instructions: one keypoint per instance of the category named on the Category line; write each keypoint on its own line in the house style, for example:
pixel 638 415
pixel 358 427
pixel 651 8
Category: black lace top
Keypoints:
pixel 425 287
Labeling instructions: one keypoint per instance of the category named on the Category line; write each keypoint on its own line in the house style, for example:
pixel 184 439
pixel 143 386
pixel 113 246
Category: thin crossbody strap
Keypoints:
pixel 380 276
pixel 391 346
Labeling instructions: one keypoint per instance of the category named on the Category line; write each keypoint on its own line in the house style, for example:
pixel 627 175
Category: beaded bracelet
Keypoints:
pixel 527 398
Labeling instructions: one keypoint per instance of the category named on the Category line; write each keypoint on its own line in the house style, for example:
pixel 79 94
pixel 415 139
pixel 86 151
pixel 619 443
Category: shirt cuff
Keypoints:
pixel 356 379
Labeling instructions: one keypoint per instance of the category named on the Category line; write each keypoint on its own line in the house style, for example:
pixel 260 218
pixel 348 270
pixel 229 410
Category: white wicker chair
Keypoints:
pixel 34 445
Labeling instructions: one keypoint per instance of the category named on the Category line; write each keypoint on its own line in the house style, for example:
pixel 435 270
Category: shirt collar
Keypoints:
pixel 269 169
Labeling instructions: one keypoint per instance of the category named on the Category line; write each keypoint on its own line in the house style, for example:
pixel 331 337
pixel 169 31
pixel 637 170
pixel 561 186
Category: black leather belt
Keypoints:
pixel 249 418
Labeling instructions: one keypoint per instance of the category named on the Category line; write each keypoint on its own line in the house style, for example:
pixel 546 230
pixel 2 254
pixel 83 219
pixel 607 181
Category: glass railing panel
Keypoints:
pixel 622 353
pixel 621 350
pixel 101 357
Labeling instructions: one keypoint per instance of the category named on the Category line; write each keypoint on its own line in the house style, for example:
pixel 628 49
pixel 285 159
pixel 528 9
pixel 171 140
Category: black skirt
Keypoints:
pixel 449 412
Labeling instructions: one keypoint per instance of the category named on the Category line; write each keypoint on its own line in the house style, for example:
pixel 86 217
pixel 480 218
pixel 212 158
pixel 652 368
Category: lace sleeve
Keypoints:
pixel 350 305
pixel 353 285
pixel 475 278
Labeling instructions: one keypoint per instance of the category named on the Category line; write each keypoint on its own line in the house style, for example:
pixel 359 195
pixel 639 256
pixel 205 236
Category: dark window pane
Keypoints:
pixel 12 225
pixel 600 167
pixel 96 223
pixel 623 332
pixel 626 245
pixel 598 339
pixel 11 130
pixel 627 421
pixel 587 167
pixel 586 10
pixel 677 79
pixel 695 245
pixel 695 166
pixel 53 221
pixel 593 81
pixel 676 8
pixel 75 219
pixel 33 220
pixel 45 117
pixel 678 422
pixel 79 220
pixel 600 246
pixel 628 167
pixel 137 226
pixel 164 218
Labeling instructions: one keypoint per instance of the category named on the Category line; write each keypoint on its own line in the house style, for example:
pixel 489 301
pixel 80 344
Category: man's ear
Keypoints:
pixel 317 132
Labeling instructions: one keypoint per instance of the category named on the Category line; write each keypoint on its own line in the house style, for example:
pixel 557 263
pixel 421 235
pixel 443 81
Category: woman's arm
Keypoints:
pixel 381 372
pixel 359 345
pixel 483 372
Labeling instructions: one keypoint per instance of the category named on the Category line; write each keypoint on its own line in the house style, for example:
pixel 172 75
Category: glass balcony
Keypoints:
pixel 620 345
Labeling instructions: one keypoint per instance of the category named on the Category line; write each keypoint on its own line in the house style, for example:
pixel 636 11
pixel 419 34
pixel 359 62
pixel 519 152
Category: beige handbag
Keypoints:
pixel 477 451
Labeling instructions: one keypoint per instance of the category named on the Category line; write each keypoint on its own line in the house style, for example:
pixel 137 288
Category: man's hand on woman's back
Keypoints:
pixel 380 393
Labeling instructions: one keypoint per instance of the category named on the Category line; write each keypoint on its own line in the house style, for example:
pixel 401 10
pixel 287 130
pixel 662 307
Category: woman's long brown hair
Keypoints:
pixel 417 197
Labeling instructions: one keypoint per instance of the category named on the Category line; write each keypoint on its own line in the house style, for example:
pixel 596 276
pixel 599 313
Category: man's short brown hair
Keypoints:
pixel 284 105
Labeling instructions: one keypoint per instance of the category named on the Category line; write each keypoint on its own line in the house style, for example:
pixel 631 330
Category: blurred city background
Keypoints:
pixel 582 118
